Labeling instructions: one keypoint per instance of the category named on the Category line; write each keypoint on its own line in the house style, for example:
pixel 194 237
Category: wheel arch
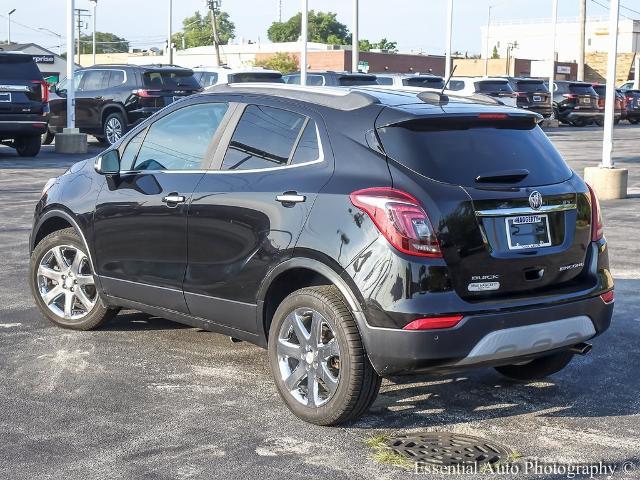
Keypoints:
pixel 113 108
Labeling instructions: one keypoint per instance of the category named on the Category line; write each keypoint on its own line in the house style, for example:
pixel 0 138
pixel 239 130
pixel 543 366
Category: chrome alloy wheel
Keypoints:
pixel 309 357
pixel 65 282
pixel 113 130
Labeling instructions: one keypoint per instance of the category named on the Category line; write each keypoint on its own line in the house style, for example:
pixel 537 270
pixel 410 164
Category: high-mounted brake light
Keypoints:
pixel 493 116
pixel 400 218
pixel 597 226
pixel 434 323
pixel 607 297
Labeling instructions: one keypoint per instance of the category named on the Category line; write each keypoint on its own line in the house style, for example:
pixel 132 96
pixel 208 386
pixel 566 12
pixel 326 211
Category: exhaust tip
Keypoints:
pixel 581 348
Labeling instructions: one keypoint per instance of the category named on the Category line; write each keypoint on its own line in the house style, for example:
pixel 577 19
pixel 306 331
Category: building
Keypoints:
pixel 52 66
pixel 534 38
pixel 514 67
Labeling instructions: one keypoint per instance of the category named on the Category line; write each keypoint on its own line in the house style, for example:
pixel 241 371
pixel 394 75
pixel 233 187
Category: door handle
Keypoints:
pixel 173 199
pixel 290 197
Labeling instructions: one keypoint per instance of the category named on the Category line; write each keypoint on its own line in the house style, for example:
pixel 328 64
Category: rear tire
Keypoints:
pixel 113 127
pixel 634 121
pixel 579 123
pixel 538 368
pixel 47 138
pixel 28 146
pixel 600 122
pixel 301 367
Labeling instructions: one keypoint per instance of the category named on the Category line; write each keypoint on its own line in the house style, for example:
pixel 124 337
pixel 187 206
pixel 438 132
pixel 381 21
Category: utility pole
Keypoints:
pixel 71 103
pixel 95 5
pixel 486 58
pixel 9 26
pixel 552 74
pixel 213 6
pixel 355 43
pixel 607 144
pixel 280 11
pixel 447 67
pixel 583 23
pixel 170 34
pixel 80 13
pixel 304 35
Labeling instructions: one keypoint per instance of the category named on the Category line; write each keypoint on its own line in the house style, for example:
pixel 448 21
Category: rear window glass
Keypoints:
pixel 18 67
pixel 424 82
pixel 314 80
pixel 247 77
pixel 600 90
pixel 169 80
pixel 356 80
pixel 493 86
pixel 580 89
pixel 458 152
pixel 529 86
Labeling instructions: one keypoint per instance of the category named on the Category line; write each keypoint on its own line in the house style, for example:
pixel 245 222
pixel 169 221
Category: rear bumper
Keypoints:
pixel 545 110
pixel 22 125
pixel 582 115
pixel 487 339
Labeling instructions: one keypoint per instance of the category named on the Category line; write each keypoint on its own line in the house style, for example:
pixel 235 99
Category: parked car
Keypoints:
pixel 410 80
pixel 208 76
pixel 23 103
pixel 626 86
pixel 495 87
pixel 333 79
pixel 532 94
pixel 110 99
pixel 631 109
pixel 601 90
pixel 576 103
pixel 355 233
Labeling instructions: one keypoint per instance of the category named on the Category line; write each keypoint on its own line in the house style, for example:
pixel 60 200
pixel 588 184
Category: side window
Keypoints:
pixel 293 79
pixel 264 138
pixel 116 78
pixel 208 79
pixel 130 151
pixel 315 80
pixel 456 85
pixel 180 140
pixel 94 80
pixel 308 149
pixel 386 81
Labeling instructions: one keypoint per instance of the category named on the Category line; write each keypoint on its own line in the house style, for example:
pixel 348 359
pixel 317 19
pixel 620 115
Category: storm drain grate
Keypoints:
pixel 448 449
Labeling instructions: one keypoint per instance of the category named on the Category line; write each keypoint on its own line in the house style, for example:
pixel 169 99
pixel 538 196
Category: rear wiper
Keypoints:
pixel 503 176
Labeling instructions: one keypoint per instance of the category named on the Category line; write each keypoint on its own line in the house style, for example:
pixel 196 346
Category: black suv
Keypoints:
pixel 532 94
pixel 110 99
pixel 631 105
pixel 333 79
pixel 576 103
pixel 354 233
pixel 23 103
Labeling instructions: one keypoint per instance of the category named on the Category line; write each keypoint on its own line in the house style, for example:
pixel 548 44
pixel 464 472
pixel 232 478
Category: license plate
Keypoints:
pixel 5 97
pixel 537 98
pixel 528 231
pixel 585 100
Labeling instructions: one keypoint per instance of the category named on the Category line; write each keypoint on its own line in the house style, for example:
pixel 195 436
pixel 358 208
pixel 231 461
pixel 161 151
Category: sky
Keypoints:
pixel 416 25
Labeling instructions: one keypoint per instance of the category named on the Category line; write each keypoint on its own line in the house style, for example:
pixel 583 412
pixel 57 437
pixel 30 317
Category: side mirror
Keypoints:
pixel 108 163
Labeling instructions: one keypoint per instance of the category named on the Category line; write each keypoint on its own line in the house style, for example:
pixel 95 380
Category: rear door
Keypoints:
pixel 248 211
pixel 22 88
pixel 511 217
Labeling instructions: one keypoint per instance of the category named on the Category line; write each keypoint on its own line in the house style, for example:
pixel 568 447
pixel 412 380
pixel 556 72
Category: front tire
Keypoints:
pixel 317 358
pixel 63 285
pixel 28 145
pixel 538 368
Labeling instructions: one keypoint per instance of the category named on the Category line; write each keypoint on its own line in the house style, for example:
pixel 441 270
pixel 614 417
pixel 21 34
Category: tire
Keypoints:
pixel 634 121
pixel 61 280
pixel 600 122
pixel 102 140
pixel 113 128
pixel 47 137
pixel 538 368
pixel 28 146
pixel 579 123
pixel 356 384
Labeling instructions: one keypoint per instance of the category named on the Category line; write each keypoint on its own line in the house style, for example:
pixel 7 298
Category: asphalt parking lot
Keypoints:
pixel 148 398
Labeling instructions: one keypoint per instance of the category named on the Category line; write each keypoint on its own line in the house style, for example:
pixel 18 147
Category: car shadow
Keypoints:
pixel 129 320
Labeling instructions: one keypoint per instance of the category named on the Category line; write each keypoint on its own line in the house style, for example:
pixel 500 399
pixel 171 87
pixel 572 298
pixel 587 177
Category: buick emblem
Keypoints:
pixel 535 200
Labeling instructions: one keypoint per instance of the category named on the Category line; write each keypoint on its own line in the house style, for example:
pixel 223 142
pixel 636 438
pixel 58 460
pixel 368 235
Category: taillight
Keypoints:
pixel 44 90
pixel 400 218
pixel 434 323
pixel 570 96
pixel 147 93
pixel 607 297
pixel 628 100
pixel 597 226
pixel 493 116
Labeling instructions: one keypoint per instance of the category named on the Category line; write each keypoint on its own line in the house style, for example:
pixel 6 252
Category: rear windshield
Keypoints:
pixel 600 90
pixel 457 151
pixel 246 77
pixel 315 80
pixel 493 86
pixel 426 82
pixel 531 86
pixel 18 67
pixel 169 80
pixel 355 80
pixel 580 89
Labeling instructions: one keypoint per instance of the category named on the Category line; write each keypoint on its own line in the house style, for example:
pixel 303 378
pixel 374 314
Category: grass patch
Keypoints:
pixel 382 453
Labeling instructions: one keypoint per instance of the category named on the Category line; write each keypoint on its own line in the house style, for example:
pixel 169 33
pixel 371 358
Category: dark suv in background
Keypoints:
pixel 23 103
pixel 333 79
pixel 355 233
pixel 110 99
pixel 532 94
pixel 576 103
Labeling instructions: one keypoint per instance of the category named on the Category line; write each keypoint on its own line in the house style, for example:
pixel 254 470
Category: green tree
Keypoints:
pixel 197 30
pixel 385 44
pixel 323 28
pixel 280 61
pixel 365 45
pixel 495 53
pixel 105 43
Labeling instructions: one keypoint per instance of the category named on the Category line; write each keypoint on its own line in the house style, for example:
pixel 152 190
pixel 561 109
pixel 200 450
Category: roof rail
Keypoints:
pixel 332 97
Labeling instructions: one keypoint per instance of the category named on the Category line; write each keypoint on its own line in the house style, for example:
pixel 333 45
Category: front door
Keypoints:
pixel 245 217
pixel 140 223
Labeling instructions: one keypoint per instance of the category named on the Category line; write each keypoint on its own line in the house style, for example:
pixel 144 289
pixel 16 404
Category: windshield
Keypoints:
pixel 581 89
pixel 426 82
pixel 356 80
pixel 493 86
pixel 246 77
pixel 170 80
pixel 531 86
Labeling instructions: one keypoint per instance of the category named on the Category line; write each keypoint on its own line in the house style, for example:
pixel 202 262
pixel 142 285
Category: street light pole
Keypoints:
pixel 71 104
pixel 95 5
pixel 355 43
pixel 607 144
pixel 9 26
pixel 304 29
pixel 486 58
pixel 552 75
pixel 581 40
pixel 447 67
pixel 57 35
pixel 169 33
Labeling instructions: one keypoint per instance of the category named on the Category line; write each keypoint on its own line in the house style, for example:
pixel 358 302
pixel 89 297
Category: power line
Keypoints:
pixel 621 14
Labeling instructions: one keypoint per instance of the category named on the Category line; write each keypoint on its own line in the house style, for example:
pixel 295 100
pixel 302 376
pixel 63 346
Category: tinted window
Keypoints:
pixel 116 78
pixel 581 89
pixel 264 138
pixel 315 80
pixel 307 149
pixel 246 77
pixel 95 80
pixel 385 81
pixel 530 86
pixel 130 151
pixel 355 80
pixel 456 85
pixel 180 140
pixel 454 151
pixel 493 86
pixel 18 67
pixel 208 78
pixel 169 80
pixel 425 82
pixel 601 90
